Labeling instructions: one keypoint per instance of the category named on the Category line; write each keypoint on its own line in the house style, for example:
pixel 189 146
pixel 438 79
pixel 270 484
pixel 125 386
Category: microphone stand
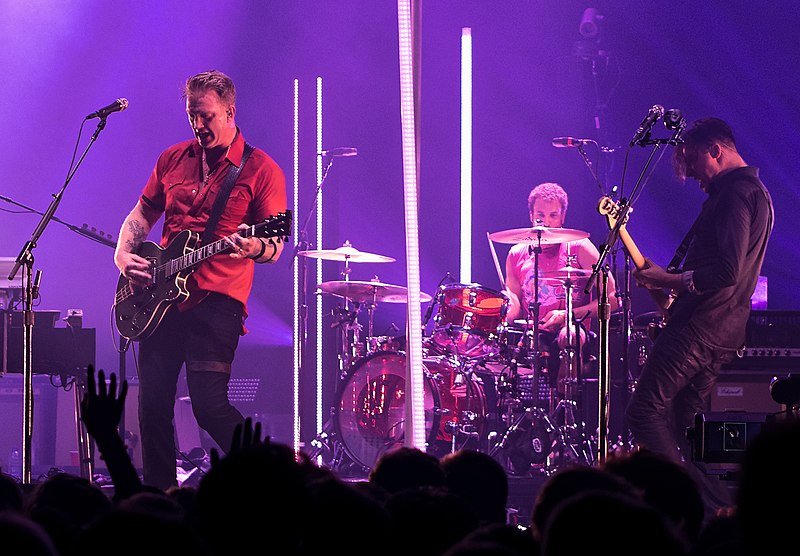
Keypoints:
pixel 603 313
pixel 303 245
pixel 589 165
pixel 26 259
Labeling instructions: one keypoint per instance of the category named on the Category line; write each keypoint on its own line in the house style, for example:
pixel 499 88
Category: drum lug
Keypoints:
pixel 468 318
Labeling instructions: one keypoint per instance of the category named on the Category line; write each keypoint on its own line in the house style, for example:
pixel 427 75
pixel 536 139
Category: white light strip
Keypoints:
pixel 415 403
pixel 318 301
pixel 466 155
pixel 297 340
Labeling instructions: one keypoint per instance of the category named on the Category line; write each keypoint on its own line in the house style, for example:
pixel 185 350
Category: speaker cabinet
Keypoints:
pixel 744 390
pixel 12 404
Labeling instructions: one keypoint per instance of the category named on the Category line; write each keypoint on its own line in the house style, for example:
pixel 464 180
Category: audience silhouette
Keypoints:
pixel 769 489
pixel 266 494
pixel 580 523
pixel 481 480
pixel 666 485
pixel 401 468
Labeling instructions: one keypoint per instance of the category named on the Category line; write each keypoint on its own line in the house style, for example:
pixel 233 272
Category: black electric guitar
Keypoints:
pixel 608 208
pixel 138 311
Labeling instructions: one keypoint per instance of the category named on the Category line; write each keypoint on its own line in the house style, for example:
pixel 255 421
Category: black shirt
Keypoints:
pixel 726 254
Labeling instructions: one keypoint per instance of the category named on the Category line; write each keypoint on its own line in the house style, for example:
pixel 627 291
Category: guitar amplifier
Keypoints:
pixel 772 342
pixel 56 350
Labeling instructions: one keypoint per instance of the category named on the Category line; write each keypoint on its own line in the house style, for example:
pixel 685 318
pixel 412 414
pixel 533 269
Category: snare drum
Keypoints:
pixel 470 320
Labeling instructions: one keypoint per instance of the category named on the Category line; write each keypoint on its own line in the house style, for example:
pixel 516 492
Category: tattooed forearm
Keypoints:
pixel 138 234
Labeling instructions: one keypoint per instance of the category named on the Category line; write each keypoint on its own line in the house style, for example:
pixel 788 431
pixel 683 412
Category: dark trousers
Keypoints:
pixel 675 384
pixel 203 338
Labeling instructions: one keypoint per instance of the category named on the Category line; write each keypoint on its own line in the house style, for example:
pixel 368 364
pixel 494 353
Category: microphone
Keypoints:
pixel 116 106
pixel 566 142
pixel 339 151
pixel 37 281
pixel 656 112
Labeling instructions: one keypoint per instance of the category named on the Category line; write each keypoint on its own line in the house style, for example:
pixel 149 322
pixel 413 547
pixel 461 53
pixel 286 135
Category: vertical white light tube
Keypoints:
pixel 297 340
pixel 466 156
pixel 318 274
pixel 415 398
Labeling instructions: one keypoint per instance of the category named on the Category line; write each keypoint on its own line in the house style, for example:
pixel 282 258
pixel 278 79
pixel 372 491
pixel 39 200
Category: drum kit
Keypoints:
pixel 489 385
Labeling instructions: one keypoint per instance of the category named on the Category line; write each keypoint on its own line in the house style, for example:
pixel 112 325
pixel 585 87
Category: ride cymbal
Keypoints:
pixel 538 234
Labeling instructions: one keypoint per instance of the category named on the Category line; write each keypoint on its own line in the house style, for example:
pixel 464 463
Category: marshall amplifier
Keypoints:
pixel 772 342
pixel 772 349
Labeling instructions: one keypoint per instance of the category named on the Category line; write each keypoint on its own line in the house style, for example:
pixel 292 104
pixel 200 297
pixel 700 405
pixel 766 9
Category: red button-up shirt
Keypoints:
pixel 176 188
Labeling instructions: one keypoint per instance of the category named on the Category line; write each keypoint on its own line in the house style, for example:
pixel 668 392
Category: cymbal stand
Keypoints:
pixel 572 438
pixel 508 389
pixel 530 333
pixel 326 444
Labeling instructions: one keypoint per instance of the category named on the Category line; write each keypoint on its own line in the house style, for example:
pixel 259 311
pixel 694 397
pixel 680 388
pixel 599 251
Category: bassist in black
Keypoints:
pixel 706 322
pixel 185 300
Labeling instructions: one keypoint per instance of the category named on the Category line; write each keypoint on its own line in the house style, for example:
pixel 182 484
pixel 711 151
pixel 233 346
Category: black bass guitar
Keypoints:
pixel 610 209
pixel 138 311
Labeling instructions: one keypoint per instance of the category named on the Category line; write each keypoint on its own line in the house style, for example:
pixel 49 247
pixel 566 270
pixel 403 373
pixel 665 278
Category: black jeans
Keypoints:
pixel 676 383
pixel 203 338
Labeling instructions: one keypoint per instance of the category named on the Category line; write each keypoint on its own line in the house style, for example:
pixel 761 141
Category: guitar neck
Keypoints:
pixel 633 250
pixel 197 256
pixel 610 209
pixel 662 299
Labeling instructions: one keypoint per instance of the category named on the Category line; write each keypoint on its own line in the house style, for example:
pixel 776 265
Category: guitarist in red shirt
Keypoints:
pixel 706 321
pixel 198 313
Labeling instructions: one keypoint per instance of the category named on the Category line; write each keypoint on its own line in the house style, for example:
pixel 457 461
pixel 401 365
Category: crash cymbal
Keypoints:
pixel 532 235
pixel 346 253
pixel 369 291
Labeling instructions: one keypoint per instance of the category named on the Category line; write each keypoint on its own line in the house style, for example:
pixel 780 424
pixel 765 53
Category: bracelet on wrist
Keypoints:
pixel 274 250
pixel 261 252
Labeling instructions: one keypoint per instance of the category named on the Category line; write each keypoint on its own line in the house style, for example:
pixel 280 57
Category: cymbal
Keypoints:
pixel 645 319
pixel 531 235
pixel 565 273
pixel 346 253
pixel 369 291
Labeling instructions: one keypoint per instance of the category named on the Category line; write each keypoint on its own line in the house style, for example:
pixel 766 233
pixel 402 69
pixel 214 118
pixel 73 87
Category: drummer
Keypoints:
pixel 547 204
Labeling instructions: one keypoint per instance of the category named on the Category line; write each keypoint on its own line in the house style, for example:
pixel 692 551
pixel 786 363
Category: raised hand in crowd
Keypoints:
pixel 101 411
pixel 244 436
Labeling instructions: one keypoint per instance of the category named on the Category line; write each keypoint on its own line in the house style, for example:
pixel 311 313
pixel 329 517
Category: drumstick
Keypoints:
pixel 496 262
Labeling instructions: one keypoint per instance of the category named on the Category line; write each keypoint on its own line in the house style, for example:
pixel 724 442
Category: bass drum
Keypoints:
pixel 370 414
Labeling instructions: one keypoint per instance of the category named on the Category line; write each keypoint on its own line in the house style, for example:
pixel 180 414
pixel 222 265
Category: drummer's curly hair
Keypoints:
pixel 548 192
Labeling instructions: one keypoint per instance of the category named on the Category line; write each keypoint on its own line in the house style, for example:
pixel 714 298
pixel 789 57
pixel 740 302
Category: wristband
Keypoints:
pixel 274 250
pixel 260 253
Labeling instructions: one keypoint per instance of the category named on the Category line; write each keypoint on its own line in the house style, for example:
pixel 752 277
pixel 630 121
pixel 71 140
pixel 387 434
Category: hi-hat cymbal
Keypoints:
pixel 565 273
pixel 369 291
pixel 534 235
pixel 346 253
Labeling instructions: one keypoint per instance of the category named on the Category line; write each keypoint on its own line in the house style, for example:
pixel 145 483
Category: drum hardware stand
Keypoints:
pixel 603 385
pixel 530 415
pixel 346 322
pixel 326 444
pixel 509 391
pixel 572 432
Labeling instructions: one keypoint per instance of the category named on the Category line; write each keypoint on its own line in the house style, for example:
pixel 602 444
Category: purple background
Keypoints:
pixel 63 60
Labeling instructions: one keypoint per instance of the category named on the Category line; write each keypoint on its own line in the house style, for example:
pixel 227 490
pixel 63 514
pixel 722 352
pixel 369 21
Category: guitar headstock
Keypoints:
pixel 611 209
pixel 279 225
